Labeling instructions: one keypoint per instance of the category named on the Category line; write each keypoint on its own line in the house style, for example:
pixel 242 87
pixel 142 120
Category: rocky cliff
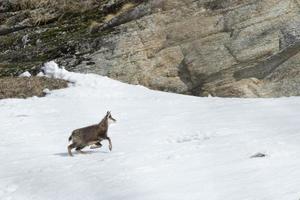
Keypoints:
pixel 227 48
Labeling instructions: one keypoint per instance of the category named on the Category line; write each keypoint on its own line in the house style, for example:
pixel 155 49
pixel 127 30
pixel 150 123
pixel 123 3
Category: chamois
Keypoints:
pixel 91 135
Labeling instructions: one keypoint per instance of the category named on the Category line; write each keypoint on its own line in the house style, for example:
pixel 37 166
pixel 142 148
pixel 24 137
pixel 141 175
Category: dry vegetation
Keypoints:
pixel 12 87
pixel 95 26
pixel 126 7
pixel 60 5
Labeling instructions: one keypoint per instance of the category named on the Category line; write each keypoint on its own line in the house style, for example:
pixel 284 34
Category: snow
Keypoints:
pixel 165 146
pixel 52 70
pixel 46 91
pixel 25 74
pixel 40 74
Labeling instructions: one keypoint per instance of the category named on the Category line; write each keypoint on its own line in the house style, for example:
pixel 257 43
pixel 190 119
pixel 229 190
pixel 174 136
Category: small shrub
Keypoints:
pixel 126 7
pixel 94 27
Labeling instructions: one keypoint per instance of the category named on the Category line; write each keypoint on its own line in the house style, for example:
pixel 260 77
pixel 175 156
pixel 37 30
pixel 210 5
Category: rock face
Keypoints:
pixel 227 48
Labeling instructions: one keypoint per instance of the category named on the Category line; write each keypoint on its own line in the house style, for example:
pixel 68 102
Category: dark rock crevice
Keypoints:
pixel 185 76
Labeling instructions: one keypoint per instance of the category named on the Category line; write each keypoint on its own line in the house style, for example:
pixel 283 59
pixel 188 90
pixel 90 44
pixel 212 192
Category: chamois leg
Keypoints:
pixel 96 145
pixel 70 147
pixel 78 149
pixel 110 144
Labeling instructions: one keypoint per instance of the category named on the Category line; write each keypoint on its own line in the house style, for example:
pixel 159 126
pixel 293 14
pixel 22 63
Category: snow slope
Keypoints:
pixel 165 146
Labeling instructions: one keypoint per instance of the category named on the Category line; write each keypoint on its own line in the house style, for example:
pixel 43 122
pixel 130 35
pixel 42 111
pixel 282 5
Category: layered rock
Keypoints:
pixel 228 48
pixel 200 47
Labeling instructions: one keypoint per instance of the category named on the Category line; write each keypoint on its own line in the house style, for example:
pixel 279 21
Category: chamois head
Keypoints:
pixel 109 118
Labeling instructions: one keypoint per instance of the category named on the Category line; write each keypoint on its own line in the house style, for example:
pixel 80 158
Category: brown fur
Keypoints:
pixel 90 135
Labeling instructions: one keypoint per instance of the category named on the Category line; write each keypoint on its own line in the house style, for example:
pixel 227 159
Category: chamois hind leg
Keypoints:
pixel 96 145
pixel 79 148
pixel 70 147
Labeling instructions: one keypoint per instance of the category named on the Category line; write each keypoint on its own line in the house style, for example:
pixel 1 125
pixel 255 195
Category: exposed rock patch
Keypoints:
pixel 258 155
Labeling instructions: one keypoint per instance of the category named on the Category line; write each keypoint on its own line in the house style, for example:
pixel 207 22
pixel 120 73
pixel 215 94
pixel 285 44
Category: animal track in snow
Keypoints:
pixel 6 193
pixel 197 137
pixel 191 138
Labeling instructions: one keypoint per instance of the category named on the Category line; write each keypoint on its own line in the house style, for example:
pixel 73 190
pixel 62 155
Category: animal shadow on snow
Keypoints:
pixel 65 154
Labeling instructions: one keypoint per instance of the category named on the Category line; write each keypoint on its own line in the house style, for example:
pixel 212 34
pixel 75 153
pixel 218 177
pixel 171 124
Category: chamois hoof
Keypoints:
pixel 70 153
pixel 81 152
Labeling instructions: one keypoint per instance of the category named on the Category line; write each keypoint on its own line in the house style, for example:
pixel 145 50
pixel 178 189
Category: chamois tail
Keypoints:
pixel 70 138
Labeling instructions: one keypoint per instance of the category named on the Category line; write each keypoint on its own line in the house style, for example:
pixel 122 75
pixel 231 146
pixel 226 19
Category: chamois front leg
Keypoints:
pixel 110 144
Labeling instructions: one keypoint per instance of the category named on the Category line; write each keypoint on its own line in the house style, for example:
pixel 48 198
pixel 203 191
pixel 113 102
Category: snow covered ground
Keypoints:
pixel 165 146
